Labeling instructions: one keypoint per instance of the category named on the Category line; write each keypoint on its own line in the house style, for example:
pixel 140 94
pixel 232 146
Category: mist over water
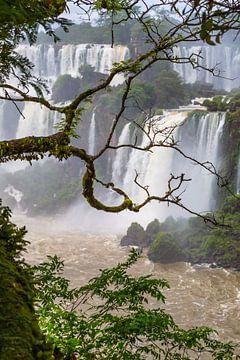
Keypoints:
pixel 197 296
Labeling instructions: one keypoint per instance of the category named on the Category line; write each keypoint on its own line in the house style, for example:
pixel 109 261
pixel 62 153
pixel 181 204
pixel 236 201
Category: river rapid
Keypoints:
pixel 198 295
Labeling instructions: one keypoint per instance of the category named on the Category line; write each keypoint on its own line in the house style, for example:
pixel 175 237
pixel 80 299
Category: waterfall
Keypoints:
pixel 153 167
pixel 51 61
pixel 200 138
pixel 2 103
pixel 16 194
pixel 36 120
pixel 121 156
pixel 226 58
pixel 92 137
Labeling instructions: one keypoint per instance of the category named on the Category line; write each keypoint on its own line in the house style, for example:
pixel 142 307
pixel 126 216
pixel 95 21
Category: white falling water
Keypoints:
pixel 199 138
pixel 36 120
pixel 15 193
pixel 153 167
pixel 92 136
pixel 1 118
pixel 121 156
pixel 51 61
pixel 204 147
pixel 226 58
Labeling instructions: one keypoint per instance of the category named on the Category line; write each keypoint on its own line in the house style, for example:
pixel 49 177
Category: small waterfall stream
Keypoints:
pixel 121 156
pixel 92 135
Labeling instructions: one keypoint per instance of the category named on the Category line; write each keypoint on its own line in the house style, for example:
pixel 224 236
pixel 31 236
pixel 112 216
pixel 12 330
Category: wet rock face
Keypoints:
pixel 136 236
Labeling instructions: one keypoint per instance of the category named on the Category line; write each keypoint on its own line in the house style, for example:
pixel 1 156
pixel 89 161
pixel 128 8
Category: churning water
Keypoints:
pixel 198 295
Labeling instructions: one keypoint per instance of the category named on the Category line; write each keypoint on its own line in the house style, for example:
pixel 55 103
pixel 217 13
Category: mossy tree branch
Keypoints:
pixel 198 20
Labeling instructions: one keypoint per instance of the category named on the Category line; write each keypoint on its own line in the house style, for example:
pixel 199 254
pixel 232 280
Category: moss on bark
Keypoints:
pixel 20 336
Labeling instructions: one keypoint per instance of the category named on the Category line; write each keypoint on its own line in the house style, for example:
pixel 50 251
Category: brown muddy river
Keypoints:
pixel 198 295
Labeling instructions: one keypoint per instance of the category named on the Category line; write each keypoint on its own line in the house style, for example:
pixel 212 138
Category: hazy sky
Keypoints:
pixel 76 14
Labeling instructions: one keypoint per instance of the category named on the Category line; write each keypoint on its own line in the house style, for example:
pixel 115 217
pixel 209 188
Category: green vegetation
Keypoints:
pixel 62 188
pixel 20 20
pixel 65 88
pixel 135 236
pixel 20 336
pixel 191 240
pixel 151 93
pixel 218 103
pixel 229 103
pixel 109 318
pixel 165 249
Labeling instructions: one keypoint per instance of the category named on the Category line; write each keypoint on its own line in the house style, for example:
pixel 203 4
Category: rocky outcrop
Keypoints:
pixel 191 239
pixel 136 236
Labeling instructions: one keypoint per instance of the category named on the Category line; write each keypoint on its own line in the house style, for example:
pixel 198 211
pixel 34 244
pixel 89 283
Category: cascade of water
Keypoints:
pixel 100 57
pixel 121 157
pixel 92 137
pixel 16 194
pixel 36 120
pixel 154 167
pixel 199 137
pixel 1 119
pixel 226 58
pixel 204 147
pixel 50 62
